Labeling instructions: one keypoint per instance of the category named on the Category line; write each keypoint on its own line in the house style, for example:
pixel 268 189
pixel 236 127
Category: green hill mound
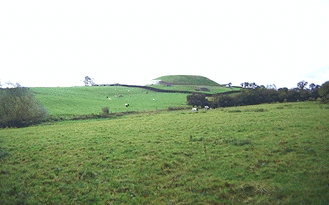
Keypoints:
pixel 187 80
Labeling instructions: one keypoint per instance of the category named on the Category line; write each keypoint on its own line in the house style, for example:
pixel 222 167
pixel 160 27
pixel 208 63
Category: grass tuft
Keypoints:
pixel 235 111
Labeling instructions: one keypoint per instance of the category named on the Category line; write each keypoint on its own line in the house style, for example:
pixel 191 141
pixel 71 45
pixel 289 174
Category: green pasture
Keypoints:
pixel 70 101
pixel 187 80
pixel 264 154
pixel 196 88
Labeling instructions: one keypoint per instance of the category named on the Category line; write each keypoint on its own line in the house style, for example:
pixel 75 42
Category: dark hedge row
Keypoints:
pixel 261 95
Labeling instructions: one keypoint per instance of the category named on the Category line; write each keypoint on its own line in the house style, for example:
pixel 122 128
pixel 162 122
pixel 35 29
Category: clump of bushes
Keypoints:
pixel 198 100
pixel 260 94
pixel 105 111
pixel 19 108
pixel 324 92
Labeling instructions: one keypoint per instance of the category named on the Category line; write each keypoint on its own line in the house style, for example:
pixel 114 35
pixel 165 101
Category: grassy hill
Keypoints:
pixel 263 154
pixel 198 84
pixel 73 101
pixel 187 80
pixel 196 88
pixel 70 101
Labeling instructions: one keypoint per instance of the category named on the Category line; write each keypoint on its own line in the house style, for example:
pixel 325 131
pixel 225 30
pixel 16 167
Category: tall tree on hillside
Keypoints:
pixel 245 85
pixel 302 84
pixel 253 85
pixel 313 87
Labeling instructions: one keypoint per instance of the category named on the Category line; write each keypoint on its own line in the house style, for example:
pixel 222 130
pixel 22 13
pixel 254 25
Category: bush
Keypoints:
pixel 105 110
pixel 197 100
pixel 324 92
pixel 19 108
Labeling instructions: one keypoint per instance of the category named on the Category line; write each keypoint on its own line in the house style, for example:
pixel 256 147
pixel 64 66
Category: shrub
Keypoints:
pixel 324 92
pixel 197 100
pixel 105 110
pixel 19 108
pixel 224 101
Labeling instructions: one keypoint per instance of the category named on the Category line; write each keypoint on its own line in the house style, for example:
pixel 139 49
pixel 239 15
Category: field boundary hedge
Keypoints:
pixel 166 91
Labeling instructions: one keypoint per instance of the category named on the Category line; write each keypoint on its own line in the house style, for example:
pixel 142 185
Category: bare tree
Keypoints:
pixel 88 81
pixel 9 84
pixel 271 86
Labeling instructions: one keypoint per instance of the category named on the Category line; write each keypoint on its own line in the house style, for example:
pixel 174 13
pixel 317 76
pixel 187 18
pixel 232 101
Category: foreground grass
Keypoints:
pixel 74 101
pixel 265 154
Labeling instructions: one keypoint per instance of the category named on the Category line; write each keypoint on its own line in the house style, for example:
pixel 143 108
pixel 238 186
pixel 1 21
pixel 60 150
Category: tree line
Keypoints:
pixel 253 94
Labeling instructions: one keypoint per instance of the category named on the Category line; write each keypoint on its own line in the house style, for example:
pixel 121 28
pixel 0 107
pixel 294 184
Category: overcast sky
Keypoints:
pixel 58 43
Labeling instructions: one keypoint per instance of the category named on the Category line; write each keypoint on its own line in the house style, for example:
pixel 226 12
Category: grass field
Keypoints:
pixel 264 154
pixel 70 101
pixel 187 80
pixel 194 88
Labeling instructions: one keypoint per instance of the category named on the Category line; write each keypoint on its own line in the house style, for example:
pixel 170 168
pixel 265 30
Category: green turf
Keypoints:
pixel 196 88
pixel 264 154
pixel 187 80
pixel 70 101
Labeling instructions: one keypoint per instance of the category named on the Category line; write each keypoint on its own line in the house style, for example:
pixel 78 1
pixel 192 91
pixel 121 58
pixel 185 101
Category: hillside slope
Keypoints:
pixel 69 101
pixel 187 80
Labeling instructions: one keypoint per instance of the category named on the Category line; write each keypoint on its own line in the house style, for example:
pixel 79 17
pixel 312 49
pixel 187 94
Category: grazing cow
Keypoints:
pixel 195 109
pixel 206 107
pixel 127 104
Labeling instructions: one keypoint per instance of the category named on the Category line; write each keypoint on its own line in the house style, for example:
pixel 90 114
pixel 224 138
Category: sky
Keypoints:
pixel 58 43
